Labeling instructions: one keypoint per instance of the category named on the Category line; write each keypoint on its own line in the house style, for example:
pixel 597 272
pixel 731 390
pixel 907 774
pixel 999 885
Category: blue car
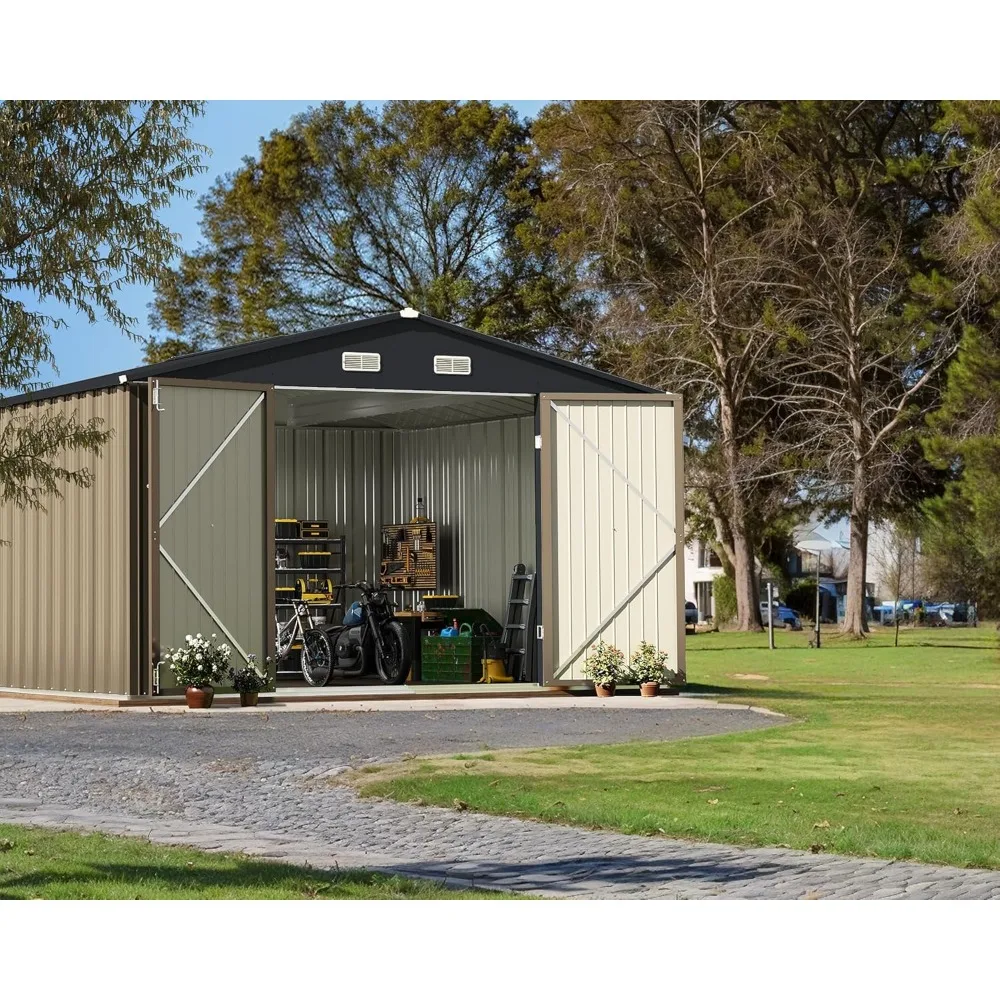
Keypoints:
pixel 784 617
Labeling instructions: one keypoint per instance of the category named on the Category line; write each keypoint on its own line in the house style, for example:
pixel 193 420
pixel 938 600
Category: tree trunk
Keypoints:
pixel 855 610
pixel 747 606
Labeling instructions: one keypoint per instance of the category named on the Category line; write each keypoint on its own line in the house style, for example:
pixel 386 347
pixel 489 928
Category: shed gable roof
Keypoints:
pixel 407 346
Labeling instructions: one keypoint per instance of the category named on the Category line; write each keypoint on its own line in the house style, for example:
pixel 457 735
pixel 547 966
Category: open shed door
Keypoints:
pixel 211 521
pixel 612 513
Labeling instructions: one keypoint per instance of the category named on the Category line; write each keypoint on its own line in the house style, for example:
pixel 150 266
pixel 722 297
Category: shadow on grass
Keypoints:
pixel 237 878
pixel 722 691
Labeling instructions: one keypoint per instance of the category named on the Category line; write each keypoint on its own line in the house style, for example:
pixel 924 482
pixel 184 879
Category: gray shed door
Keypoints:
pixel 612 525
pixel 211 531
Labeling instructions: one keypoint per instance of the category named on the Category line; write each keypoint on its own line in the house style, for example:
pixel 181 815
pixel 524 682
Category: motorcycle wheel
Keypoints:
pixel 395 665
pixel 317 658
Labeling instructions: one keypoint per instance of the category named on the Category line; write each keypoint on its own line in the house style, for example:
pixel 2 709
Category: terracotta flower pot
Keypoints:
pixel 605 690
pixel 199 697
pixel 248 698
pixel 649 689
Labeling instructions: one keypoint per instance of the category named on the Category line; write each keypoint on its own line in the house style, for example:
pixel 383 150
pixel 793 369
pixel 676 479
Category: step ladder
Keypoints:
pixel 515 631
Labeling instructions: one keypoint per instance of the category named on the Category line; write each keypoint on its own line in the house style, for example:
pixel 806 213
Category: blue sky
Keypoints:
pixel 231 129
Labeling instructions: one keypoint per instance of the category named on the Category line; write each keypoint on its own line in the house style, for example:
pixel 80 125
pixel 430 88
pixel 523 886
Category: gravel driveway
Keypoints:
pixel 258 783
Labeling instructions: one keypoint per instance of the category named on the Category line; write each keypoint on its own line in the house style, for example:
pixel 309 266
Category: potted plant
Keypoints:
pixel 605 667
pixel 648 669
pixel 198 665
pixel 248 681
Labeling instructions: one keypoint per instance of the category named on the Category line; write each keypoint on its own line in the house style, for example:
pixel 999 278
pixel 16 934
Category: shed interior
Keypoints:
pixel 359 460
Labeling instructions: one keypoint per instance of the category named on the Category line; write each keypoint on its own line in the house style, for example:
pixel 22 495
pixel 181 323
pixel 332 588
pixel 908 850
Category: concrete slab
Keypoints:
pixel 229 707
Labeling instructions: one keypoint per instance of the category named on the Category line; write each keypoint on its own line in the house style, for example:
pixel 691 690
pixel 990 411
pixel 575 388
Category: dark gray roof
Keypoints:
pixel 308 359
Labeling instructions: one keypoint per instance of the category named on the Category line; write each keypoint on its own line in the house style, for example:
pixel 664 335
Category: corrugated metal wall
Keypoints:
pixel 478 482
pixel 64 579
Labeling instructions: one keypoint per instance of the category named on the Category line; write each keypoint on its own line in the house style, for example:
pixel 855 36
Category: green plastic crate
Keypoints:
pixel 451 659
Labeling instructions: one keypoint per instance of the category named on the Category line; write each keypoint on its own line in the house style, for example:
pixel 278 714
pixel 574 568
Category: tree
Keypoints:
pixel 660 209
pixel 962 541
pixel 896 554
pixel 860 186
pixel 82 184
pixel 349 212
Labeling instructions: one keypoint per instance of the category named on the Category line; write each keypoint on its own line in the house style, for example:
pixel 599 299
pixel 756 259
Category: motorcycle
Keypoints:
pixel 368 635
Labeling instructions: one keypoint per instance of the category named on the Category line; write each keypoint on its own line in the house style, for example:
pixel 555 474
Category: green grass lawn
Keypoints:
pixel 893 753
pixel 43 864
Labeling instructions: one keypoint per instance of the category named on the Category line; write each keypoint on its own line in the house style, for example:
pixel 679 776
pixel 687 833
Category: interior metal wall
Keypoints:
pixel 65 576
pixel 477 480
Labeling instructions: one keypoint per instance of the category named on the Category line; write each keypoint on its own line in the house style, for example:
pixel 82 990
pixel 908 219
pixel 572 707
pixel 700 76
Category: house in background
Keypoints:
pixel 812 540
pixel 702 566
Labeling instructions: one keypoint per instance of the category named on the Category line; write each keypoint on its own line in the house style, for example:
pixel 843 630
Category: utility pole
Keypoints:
pixel 817 599
pixel 770 615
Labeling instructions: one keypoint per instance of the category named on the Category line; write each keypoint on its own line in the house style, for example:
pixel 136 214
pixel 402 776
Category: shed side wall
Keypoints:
pixel 64 578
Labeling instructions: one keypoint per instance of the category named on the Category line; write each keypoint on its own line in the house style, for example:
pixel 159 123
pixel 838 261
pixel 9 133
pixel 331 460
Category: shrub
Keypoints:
pixel 649 664
pixel 605 664
pixel 247 677
pixel 802 599
pixel 724 591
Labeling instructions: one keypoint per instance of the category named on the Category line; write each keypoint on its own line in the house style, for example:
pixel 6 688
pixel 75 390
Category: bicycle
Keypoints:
pixel 315 648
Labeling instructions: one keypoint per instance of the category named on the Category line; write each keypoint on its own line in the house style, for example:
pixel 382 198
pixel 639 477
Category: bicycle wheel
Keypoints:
pixel 317 658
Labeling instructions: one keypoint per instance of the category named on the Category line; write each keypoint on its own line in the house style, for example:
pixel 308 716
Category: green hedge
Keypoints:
pixel 724 591
pixel 802 599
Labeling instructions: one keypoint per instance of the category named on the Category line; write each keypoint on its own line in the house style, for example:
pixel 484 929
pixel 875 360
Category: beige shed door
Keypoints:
pixel 210 529
pixel 612 522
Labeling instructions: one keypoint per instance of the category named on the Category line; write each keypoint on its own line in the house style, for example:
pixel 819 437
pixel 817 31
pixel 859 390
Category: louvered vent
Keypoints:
pixel 452 364
pixel 359 361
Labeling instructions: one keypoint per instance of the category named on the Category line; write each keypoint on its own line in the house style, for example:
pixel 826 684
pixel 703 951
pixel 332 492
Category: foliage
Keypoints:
pixel 83 184
pixel 802 599
pixel 351 211
pixel 870 328
pixel 247 678
pixel 605 665
pixel 35 450
pixel 649 664
pixel 199 662
pixel 724 592
pixel 660 210
pixel 959 553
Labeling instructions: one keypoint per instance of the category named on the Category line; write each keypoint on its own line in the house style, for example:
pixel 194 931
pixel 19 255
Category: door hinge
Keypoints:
pixel 156 678
pixel 538 442
pixel 156 396
pixel 539 631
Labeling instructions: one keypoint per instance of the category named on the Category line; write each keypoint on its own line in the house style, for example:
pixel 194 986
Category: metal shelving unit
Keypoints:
pixel 336 574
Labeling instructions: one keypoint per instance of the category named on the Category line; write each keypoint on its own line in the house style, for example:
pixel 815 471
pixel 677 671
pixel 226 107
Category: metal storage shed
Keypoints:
pixel 523 458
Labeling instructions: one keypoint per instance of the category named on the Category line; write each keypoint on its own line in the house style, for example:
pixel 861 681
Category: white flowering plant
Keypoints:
pixel 649 665
pixel 605 665
pixel 200 662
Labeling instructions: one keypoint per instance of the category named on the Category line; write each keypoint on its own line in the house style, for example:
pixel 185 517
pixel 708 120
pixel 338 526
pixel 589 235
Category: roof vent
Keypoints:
pixel 359 361
pixel 409 313
pixel 452 364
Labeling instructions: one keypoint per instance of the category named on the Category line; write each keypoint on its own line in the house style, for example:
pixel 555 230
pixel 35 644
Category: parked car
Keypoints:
pixel 784 616
pixel 690 614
